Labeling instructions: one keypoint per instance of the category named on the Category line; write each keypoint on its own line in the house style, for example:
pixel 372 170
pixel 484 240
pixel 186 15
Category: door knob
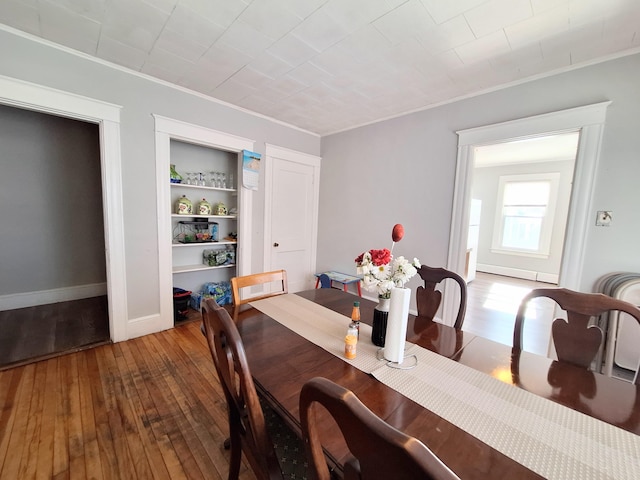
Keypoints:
pixel 276 244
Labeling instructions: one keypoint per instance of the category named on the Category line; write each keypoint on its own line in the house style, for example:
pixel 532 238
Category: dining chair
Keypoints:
pixel 428 298
pixel 277 279
pixel 377 450
pixel 576 340
pixel 249 425
pixel 325 281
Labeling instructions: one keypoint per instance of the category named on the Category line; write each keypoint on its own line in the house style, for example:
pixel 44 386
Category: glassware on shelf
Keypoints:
pixel 188 180
pixel 223 180
pixel 212 179
pixel 201 180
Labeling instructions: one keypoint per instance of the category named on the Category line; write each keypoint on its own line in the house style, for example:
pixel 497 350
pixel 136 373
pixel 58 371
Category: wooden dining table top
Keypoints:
pixel 281 361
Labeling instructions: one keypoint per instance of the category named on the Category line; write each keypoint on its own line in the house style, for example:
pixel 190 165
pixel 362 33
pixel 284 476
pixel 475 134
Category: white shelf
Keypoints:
pixel 197 268
pixel 204 244
pixel 175 215
pixel 200 187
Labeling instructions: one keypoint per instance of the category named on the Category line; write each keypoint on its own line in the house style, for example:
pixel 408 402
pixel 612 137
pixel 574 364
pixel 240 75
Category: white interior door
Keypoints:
pixel 291 212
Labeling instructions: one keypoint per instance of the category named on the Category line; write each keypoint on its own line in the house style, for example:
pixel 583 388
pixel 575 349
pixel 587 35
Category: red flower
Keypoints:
pixel 359 258
pixel 380 257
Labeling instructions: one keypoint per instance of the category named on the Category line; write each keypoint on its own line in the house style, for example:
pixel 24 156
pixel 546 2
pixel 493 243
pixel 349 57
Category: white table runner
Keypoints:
pixel 548 438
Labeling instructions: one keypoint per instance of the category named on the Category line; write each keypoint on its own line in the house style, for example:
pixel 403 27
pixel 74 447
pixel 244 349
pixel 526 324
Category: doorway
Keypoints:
pixel 53 281
pixel 589 121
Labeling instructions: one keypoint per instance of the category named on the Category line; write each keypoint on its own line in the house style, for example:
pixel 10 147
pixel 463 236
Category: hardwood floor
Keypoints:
pixel 32 333
pixel 150 407
pixel 492 304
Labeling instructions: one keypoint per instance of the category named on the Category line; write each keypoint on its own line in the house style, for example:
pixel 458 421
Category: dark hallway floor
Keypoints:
pixel 35 333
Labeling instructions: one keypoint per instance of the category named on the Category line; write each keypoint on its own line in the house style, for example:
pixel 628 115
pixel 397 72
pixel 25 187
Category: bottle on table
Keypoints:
pixel 355 317
pixel 351 341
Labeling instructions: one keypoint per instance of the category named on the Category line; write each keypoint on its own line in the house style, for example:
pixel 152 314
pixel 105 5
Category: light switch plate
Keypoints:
pixel 604 218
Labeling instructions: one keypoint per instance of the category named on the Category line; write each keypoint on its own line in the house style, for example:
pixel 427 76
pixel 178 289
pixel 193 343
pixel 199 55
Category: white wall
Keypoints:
pixel 402 171
pixel 32 61
pixel 485 188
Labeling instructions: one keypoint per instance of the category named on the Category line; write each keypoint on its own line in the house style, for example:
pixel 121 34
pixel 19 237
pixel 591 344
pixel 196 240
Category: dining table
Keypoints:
pixel 485 409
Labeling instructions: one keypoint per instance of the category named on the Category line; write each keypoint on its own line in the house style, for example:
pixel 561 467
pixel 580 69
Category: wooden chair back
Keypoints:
pixel 247 429
pixel 576 341
pixel 277 277
pixel 378 450
pixel 428 298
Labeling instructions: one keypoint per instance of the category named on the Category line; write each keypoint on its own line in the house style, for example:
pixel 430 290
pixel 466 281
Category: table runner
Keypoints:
pixel 548 438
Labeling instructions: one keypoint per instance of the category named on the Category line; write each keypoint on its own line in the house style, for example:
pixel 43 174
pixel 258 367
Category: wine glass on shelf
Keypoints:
pixel 187 178
pixel 212 179
pixel 201 180
pixel 223 180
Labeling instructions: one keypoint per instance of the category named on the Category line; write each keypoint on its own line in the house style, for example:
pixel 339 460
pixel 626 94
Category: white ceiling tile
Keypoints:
pixel 116 52
pixel 166 6
pixel 20 15
pixel 220 12
pixel 286 86
pixel 292 50
pixel 483 48
pixel 332 60
pixel 260 16
pixel 54 24
pixel 167 60
pixel 308 73
pixel 319 31
pixel 193 27
pixel 175 43
pixel 301 9
pixel 246 39
pixel 540 6
pixel 160 71
pixel 447 35
pixel 134 23
pixel 496 15
pixel 93 9
pixel 406 21
pixel 270 65
pixel 441 11
pixel 250 77
pixel 233 92
pixel 365 44
pixel 552 22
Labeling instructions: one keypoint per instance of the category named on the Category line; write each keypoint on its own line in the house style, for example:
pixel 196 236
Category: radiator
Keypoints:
pixel 622 345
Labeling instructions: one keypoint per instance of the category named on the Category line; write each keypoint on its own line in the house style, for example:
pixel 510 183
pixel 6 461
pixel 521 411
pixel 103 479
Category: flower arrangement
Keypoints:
pixel 381 272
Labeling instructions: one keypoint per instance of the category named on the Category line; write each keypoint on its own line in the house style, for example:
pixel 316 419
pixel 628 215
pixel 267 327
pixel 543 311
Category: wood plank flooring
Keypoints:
pixel 31 333
pixel 150 407
pixel 492 304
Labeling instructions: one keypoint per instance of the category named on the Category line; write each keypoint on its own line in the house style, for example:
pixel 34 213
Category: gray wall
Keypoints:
pixel 402 171
pixel 485 188
pixel 52 233
pixel 32 61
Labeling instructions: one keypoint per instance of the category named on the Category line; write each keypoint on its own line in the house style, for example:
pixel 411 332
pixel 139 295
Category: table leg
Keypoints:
pixel 317 281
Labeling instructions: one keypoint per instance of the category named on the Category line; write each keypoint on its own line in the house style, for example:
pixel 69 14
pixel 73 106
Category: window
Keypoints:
pixel 524 216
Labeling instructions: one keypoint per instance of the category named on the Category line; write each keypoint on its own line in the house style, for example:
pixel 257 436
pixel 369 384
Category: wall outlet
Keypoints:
pixel 604 218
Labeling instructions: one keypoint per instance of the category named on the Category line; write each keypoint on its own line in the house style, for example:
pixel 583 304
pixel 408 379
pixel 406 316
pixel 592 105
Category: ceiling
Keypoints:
pixel 330 65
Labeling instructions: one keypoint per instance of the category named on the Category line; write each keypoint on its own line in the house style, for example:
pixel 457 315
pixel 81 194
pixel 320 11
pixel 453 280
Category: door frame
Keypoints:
pixel 272 154
pixel 38 98
pixel 590 121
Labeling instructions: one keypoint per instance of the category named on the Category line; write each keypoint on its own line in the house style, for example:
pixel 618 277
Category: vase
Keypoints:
pixel 380 315
pixel 174 176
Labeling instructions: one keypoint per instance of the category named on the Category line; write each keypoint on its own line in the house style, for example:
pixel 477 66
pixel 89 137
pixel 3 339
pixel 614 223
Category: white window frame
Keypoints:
pixel 546 228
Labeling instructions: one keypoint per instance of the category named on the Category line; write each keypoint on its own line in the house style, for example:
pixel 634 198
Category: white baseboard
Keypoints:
pixel 44 297
pixel 141 326
pixel 519 273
